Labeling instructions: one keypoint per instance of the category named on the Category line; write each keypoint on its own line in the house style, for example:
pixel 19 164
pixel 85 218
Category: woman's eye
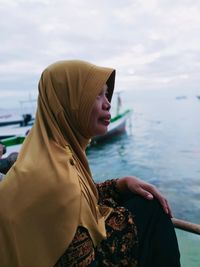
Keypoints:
pixel 102 93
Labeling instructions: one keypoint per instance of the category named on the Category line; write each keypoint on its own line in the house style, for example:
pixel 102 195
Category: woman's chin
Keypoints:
pixel 101 132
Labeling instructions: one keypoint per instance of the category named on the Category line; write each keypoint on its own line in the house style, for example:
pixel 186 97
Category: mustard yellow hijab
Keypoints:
pixel 49 191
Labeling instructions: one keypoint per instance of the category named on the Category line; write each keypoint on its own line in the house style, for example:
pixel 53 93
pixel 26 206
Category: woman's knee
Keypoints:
pixel 137 204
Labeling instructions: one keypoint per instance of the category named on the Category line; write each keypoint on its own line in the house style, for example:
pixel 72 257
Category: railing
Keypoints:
pixel 186 226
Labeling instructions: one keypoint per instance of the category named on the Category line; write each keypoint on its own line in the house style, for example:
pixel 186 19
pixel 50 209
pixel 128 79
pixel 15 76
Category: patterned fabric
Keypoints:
pixel 80 252
pixel 108 193
pixel 121 246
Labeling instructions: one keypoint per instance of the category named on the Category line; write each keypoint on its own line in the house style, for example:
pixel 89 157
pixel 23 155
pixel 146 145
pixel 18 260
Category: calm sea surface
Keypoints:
pixel 161 146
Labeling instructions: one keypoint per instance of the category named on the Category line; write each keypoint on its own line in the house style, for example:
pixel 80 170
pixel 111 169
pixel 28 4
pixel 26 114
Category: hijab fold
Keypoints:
pixel 49 191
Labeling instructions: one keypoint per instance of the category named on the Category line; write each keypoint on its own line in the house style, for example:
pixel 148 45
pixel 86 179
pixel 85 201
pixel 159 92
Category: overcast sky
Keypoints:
pixel 153 44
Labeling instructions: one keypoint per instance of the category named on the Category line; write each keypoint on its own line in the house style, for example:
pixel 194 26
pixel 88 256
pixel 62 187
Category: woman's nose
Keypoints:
pixel 106 105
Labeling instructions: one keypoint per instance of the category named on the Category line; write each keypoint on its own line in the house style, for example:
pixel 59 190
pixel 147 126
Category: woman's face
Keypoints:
pixel 100 114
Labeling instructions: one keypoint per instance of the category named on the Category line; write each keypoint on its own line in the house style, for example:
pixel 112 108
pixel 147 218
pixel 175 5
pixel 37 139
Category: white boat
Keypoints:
pixel 15 119
pixel 116 127
pixel 14 131
pixel 12 136
pixel 10 119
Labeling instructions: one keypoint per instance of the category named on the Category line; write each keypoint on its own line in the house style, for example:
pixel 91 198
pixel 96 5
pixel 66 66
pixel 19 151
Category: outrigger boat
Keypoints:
pixel 117 126
pixel 13 131
pixel 13 137
pixel 21 118
pixel 11 119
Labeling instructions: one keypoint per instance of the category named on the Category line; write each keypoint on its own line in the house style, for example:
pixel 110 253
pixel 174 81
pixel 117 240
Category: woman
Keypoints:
pixel 51 211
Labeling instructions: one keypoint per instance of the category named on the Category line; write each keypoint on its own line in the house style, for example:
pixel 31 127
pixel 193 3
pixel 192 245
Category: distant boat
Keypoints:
pixel 181 97
pixel 12 131
pixel 11 119
pixel 198 96
pixel 15 135
pixel 27 108
pixel 12 136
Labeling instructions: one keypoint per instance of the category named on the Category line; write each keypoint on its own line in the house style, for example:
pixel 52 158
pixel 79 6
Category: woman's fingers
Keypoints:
pixel 169 209
pixel 144 193
pixel 147 191
pixel 163 201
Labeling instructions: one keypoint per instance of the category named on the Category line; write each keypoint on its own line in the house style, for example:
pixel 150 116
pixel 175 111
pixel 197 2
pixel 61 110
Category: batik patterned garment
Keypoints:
pixel 121 246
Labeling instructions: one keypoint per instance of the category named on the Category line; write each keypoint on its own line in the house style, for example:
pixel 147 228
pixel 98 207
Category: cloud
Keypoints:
pixel 152 44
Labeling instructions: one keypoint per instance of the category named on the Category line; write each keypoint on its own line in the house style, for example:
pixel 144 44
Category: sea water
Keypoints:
pixel 161 146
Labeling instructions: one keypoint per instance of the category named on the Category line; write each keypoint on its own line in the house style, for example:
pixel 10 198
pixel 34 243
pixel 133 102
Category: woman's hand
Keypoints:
pixel 139 187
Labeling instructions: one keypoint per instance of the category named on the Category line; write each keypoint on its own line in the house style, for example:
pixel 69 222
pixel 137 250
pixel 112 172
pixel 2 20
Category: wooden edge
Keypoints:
pixel 186 226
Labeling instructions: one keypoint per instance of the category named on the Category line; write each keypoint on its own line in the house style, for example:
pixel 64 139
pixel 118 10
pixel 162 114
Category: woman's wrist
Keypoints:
pixel 121 185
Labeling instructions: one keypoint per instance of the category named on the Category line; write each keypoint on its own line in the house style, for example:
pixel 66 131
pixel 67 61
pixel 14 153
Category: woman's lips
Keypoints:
pixel 106 120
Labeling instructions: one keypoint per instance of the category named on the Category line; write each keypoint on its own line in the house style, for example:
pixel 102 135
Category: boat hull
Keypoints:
pixel 16 135
pixel 10 119
pixel 117 127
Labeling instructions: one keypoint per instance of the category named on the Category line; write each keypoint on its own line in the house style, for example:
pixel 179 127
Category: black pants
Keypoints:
pixel 158 245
